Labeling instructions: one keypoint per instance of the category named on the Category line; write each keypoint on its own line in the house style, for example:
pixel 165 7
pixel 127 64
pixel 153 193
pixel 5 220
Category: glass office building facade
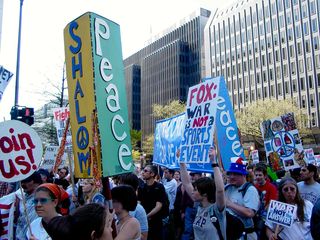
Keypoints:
pixel 168 66
pixel 267 49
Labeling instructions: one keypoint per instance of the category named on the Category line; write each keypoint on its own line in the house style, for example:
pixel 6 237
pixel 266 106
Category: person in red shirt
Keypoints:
pixel 267 192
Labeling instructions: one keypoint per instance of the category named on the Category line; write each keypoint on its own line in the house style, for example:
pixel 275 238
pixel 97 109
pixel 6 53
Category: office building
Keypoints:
pixel 165 69
pixel 267 49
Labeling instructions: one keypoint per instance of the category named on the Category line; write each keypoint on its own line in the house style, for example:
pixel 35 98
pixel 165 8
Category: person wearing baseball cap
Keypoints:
pixel 242 197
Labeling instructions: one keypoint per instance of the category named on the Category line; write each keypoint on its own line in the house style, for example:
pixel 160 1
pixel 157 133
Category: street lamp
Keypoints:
pixel 16 96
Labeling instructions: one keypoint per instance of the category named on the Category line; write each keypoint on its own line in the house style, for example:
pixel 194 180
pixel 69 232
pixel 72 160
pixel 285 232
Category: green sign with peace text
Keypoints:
pixel 110 94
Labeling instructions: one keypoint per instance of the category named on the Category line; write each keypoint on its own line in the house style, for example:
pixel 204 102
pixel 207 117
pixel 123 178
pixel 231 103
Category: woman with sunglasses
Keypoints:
pixel 300 228
pixel 50 201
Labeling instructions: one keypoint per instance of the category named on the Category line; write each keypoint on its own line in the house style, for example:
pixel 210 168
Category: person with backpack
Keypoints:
pixel 210 220
pixel 153 198
pixel 242 198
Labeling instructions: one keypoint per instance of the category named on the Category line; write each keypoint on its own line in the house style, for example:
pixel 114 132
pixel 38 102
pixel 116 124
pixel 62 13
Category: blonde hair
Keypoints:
pixel 88 196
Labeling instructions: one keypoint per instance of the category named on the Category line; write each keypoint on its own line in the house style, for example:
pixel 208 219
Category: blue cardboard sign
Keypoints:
pixel 226 125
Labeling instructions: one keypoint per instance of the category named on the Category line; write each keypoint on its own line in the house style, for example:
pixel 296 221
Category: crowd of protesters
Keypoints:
pixel 159 203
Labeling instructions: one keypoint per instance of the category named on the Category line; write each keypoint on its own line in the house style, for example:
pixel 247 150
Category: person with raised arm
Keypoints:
pixel 210 194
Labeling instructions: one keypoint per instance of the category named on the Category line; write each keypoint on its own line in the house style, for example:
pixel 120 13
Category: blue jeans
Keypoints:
pixel 189 216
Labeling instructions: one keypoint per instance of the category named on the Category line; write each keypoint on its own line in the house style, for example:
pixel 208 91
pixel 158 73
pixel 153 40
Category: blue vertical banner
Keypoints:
pixel 226 125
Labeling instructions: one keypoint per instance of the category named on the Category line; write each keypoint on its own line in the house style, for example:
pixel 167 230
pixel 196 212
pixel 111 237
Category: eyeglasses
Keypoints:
pixel 42 201
pixel 286 189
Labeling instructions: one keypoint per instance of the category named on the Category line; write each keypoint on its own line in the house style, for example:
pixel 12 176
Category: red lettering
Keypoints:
pixel 199 122
pixel 193 91
pixel 6 145
pixel 29 141
pixel 20 160
pixel 14 140
pixel 30 155
pixel 200 94
pixel 208 94
pixel 12 169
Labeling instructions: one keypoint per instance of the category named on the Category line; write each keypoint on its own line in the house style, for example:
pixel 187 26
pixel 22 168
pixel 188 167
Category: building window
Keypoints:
pixel 310 81
pixel 316 43
pixel 312 8
pixel 290 34
pixel 279 89
pixel 309 64
pixel 294 85
pixel 272 91
pixel 314 25
pixel 299 48
pixel 303 101
pixel 301 66
pixel 304 11
pixel 298 31
pixel 305 28
pixel 317 57
pixel 286 84
pixel 307 46
pixel 302 83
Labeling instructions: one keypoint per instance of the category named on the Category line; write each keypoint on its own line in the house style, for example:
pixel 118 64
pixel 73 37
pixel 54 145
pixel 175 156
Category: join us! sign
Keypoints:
pixel 20 151
pixel 95 83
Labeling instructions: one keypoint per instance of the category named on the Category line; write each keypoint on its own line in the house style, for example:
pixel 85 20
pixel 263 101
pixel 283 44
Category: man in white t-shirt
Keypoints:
pixel 309 189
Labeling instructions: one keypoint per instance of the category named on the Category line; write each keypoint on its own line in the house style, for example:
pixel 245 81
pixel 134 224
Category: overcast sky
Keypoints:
pixel 42 46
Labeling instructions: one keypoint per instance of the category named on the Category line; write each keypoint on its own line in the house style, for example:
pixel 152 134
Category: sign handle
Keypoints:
pixel 277 230
pixel 71 170
pixel 25 208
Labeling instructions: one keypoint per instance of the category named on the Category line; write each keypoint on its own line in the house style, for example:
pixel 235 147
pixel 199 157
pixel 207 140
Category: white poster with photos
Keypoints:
pixel 282 143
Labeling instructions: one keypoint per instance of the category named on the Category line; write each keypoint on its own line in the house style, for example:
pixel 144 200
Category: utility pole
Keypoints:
pixel 16 96
pixel 62 88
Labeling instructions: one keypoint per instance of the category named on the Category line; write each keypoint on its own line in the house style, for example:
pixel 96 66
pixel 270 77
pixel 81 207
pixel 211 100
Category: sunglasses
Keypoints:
pixel 42 201
pixel 145 170
pixel 286 189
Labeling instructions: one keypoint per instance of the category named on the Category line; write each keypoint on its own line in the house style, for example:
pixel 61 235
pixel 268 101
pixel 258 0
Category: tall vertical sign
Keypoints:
pixel 95 83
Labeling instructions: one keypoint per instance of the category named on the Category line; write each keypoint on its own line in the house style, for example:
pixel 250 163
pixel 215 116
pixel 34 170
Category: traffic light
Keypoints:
pixel 24 114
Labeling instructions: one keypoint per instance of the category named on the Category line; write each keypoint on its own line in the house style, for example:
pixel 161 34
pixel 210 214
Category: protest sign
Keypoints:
pixel 200 116
pixel 50 157
pixel 20 151
pixel 95 82
pixel 5 77
pixel 255 156
pixel 281 213
pixel 226 125
pixel 282 143
pixel 60 116
pixel 309 156
pixel 209 107
pixel 167 139
pixel 7 208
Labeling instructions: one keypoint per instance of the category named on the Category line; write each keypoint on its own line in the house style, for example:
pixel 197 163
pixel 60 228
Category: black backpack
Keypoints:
pixel 235 227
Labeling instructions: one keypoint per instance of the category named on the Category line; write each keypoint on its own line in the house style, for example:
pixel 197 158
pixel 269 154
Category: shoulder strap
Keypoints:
pixel 244 188
pixel 215 222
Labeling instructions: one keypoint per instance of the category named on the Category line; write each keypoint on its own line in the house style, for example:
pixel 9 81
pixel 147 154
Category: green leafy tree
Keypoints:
pixel 161 112
pixel 135 139
pixel 147 146
pixel 250 117
pixel 168 110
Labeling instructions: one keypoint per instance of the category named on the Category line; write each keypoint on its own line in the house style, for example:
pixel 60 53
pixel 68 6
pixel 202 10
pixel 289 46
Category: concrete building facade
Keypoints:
pixel 267 49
